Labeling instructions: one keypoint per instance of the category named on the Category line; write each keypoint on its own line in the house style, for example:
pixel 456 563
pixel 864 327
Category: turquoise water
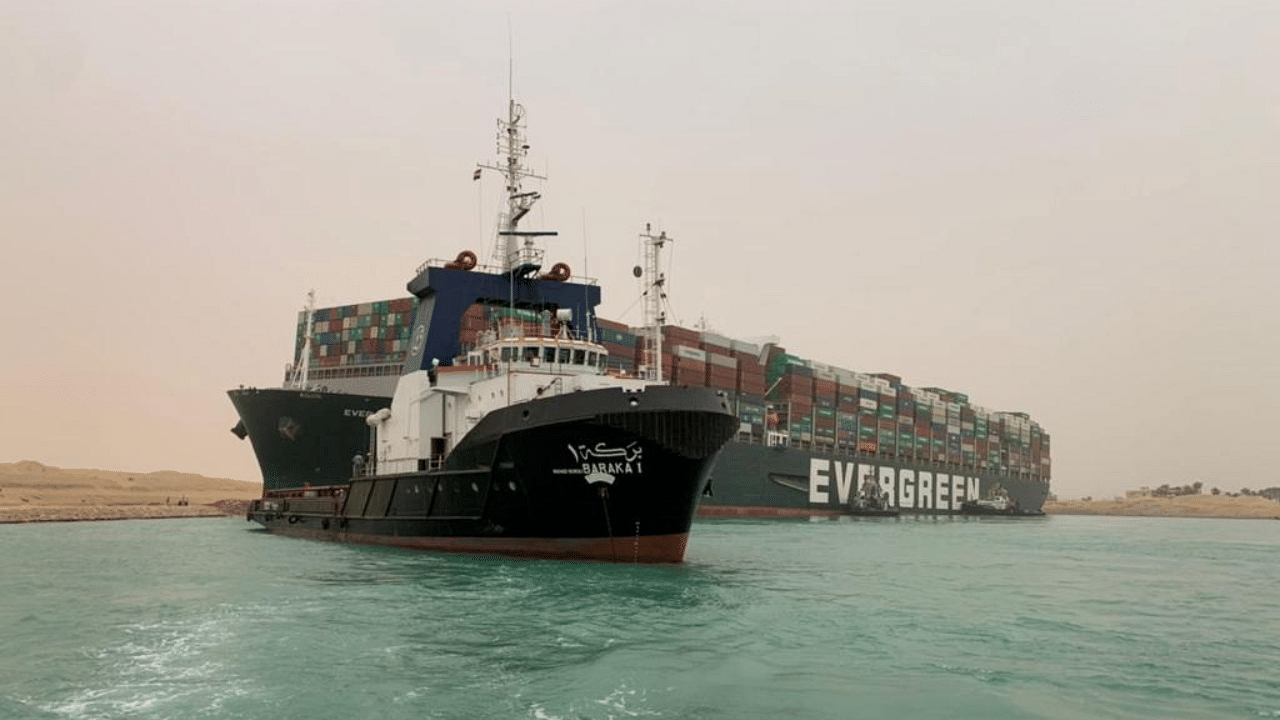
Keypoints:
pixel 1064 617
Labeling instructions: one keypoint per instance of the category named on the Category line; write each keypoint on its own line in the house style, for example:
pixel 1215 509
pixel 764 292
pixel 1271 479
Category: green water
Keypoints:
pixel 1063 617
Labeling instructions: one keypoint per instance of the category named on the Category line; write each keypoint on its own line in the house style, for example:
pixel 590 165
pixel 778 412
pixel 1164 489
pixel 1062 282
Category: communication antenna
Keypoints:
pixel 513 148
pixel 655 296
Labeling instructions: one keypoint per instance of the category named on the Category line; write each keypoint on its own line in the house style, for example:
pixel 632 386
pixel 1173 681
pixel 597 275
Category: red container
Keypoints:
pixel 796 385
pixel 675 335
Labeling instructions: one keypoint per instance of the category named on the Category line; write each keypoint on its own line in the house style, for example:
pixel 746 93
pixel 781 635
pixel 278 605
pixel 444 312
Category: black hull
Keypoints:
pixel 584 476
pixel 747 479
pixel 304 438
pixel 753 480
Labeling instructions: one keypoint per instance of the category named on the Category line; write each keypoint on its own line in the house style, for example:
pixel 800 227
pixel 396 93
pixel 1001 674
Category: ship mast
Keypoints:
pixel 654 296
pixel 514 247
pixel 298 374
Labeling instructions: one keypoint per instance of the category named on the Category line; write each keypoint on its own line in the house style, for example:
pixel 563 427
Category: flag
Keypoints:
pixel 476 175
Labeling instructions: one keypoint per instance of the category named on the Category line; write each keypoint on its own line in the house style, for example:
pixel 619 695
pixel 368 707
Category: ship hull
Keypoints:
pixel 754 480
pixel 583 476
pixel 747 479
pixel 303 437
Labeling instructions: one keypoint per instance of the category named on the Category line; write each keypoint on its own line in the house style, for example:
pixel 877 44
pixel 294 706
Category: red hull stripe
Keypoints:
pixel 643 549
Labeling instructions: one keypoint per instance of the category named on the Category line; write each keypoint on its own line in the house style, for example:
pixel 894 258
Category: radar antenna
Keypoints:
pixel 513 147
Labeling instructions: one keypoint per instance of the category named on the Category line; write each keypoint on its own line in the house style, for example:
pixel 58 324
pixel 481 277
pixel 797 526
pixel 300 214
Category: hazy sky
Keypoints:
pixel 1068 209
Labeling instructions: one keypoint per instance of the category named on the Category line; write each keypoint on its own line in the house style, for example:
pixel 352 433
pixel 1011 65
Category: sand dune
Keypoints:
pixel 31 492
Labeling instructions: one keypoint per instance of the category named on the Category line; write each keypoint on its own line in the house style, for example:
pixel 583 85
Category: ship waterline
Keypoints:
pixel 747 478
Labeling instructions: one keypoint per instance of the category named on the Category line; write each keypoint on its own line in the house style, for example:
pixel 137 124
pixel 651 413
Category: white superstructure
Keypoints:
pixel 432 410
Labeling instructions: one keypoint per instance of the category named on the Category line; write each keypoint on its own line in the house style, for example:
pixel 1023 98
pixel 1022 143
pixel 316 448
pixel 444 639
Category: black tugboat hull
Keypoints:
pixel 584 476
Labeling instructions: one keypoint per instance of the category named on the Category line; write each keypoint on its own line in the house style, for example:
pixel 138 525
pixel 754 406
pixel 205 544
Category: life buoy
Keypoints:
pixel 466 260
pixel 558 273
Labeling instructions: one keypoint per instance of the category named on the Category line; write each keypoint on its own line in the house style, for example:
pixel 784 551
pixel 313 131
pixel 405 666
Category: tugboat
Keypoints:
pixel 523 445
pixel 997 502
pixel 870 501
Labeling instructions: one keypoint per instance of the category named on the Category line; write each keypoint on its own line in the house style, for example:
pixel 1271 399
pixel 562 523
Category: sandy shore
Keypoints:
pixel 33 492
pixel 1208 506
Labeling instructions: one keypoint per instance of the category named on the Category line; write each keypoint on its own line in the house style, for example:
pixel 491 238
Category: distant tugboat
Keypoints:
pixel 521 446
pixel 870 501
pixel 998 503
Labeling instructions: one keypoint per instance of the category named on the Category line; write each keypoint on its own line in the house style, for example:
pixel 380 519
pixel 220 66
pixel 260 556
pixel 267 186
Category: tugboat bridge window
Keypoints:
pixel 564 356
pixel 579 356
pixel 549 354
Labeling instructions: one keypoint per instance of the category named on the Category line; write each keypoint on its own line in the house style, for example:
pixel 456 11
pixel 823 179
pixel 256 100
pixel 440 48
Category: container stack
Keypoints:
pixel 751 372
pixel 357 340
pixel 821 407
pixel 825 396
pixel 886 414
pixel 847 411
pixel 621 343
pixel 475 321
pixel 722 366
pixel 906 423
pixel 689 366
pixel 790 393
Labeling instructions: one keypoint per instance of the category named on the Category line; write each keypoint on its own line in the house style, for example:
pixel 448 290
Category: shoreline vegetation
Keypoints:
pixel 34 492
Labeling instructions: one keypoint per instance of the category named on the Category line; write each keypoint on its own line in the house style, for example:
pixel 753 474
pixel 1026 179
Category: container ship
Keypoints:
pixel 808 439
pixel 808 435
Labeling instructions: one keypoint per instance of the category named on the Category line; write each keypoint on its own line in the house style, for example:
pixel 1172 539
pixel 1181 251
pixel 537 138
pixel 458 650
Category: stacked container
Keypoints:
pixel 688 366
pixel 357 340
pixel 825 396
pixel 751 373
pixel 828 408
pixel 621 343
